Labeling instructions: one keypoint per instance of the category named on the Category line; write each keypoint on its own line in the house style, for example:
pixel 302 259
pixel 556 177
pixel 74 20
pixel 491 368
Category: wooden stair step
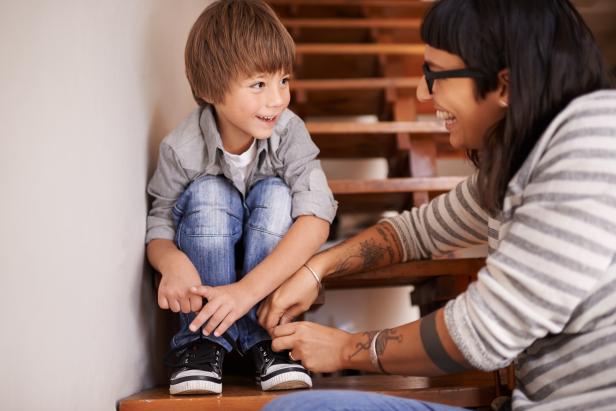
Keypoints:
pixel 394 185
pixel 354 3
pixel 360 48
pixel 375 83
pixel 382 127
pixel 409 273
pixel 470 389
pixel 391 194
pixel 347 23
pixel 376 146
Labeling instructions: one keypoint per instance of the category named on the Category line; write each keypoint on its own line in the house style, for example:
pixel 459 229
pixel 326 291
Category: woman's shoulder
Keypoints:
pixel 595 104
pixel 590 115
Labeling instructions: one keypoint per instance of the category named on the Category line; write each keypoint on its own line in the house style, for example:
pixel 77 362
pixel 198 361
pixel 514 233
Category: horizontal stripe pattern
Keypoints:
pixel 546 297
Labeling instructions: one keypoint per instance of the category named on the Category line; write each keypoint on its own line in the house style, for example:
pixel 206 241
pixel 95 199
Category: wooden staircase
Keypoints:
pixel 363 57
pixel 241 394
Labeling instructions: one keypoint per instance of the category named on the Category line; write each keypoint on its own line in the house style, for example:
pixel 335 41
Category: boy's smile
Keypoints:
pixel 251 108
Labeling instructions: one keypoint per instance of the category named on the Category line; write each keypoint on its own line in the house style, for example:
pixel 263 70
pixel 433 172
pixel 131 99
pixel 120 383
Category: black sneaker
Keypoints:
pixel 198 368
pixel 276 371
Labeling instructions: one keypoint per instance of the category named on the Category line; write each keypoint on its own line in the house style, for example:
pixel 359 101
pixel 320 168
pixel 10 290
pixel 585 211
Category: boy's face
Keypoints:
pixel 251 108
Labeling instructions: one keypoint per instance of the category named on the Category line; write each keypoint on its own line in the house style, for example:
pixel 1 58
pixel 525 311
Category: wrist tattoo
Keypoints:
pixel 434 347
pixel 384 337
pixel 363 346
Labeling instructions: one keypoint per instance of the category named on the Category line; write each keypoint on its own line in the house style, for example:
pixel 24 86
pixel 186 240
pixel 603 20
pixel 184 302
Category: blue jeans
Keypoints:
pixel 220 232
pixel 350 401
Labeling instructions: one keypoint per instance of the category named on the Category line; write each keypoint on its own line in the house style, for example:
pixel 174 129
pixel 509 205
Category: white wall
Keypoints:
pixel 87 90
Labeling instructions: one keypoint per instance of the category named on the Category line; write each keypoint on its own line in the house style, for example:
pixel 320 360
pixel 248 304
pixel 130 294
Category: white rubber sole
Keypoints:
pixel 195 387
pixel 292 380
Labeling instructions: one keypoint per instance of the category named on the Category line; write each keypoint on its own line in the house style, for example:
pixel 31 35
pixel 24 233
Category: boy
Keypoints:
pixel 237 185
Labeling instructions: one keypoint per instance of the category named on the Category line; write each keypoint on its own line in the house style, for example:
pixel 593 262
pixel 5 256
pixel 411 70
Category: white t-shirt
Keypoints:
pixel 241 162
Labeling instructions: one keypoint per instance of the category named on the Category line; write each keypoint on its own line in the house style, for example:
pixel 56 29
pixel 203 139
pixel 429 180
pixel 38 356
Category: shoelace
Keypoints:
pixel 195 357
pixel 276 355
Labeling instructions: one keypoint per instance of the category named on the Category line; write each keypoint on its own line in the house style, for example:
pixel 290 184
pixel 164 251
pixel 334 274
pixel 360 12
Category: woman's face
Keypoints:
pixel 454 99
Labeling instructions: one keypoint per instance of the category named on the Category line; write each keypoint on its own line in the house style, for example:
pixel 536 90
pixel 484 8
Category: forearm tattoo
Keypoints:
pixel 388 234
pixel 371 253
pixel 434 347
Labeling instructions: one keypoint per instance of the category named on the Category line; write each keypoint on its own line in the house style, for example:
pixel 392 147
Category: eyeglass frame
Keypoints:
pixel 430 75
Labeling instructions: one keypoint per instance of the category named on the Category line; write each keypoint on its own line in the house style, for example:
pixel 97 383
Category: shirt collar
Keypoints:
pixel 213 141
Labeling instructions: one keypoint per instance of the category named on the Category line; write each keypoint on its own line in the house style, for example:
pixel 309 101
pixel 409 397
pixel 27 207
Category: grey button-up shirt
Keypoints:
pixel 194 149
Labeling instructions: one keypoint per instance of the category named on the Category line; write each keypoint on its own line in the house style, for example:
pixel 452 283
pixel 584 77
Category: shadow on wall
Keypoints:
pixel 170 101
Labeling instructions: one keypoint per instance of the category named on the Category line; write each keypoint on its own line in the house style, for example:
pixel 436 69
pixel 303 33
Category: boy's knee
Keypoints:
pixel 210 206
pixel 209 192
pixel 270 203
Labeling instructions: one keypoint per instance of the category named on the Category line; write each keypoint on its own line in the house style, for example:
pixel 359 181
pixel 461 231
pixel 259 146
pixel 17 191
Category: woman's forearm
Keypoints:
pixel 375 247
pixel 421 348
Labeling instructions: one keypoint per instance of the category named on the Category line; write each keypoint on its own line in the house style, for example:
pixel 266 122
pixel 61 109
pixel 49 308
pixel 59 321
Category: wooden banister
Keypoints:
pixel 394 185
pixel 374 83
pixel 383 127
pixel 354 3
pixel 369 23
pixel 360 48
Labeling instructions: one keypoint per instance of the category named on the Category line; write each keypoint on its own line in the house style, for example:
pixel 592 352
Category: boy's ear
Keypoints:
pixel 503 88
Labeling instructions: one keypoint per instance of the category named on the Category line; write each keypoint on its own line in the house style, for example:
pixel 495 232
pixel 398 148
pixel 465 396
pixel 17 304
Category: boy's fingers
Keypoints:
pixel 175 306
pixel 163 303
pixel 284 330
pixel 224 325
pixel 216 319
pixel 203 316
pixel 185 305
pixel 202 290
pixel 283 343
pixel 196 303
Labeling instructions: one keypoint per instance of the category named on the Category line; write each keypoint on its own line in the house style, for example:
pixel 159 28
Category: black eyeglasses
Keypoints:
pixel 433 75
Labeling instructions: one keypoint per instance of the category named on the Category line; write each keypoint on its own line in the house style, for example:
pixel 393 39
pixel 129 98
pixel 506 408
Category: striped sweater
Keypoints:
pixel 546 298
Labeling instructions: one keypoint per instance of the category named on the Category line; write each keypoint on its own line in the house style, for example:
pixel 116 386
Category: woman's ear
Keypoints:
pixel 503 88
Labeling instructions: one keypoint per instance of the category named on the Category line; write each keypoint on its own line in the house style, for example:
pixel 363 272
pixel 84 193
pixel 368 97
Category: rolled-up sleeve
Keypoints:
pixel 167 184
pixel 302 172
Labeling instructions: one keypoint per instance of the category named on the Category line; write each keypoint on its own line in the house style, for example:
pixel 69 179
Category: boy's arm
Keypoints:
pixel 178 273
pixel 228 303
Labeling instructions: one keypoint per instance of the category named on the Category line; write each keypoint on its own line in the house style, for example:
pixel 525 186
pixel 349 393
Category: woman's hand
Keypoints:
pixel 291 299
pixel 319 348
pixel 225 305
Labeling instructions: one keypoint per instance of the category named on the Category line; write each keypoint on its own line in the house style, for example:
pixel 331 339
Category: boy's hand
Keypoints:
pixel 292 298
pixel 225 305
pixel 174 291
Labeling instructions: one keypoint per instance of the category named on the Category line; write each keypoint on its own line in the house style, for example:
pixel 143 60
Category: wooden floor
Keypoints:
pixel 242 394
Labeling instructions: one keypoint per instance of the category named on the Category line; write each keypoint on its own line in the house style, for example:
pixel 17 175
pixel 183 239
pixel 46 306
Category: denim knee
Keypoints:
pixel 210 207
pixel 269 205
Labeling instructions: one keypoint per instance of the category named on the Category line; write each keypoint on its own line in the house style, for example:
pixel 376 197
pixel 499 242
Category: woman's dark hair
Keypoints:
pixel 552 58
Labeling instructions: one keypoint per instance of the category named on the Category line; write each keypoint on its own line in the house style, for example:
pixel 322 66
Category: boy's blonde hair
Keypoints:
pixel 234 38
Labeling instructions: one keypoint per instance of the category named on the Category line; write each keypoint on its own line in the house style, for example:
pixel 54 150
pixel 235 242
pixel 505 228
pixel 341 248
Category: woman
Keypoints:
pixel 522 87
